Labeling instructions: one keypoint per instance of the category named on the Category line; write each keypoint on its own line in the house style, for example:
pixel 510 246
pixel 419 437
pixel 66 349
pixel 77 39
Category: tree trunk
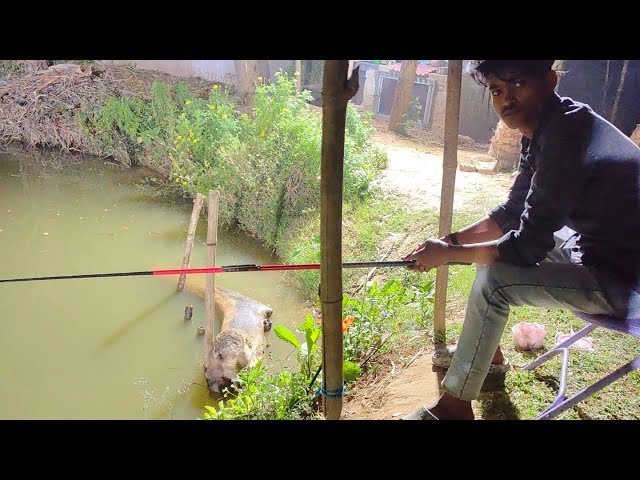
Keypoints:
pixel 635 136
pixel 337 89
pixel 264 70
pixel 404 90
pixel 559 68
pixel 616 103
pixel 505 148
pixel 246 78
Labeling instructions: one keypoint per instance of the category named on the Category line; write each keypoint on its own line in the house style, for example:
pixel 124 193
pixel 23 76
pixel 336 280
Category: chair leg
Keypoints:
pixel 554 351
pixel 590 390
pixel 558 349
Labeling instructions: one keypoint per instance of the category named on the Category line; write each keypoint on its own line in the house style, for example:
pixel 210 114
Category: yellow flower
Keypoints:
pixel 285 110
pixel 179 137
pixel 177 180
pixel 206 165
pixel 195 140
pixel 224 115
pixel 188 102
pixel 215 87
pixel 278 73
pixel 183 116
pixel 263 133
pixel 296 73
pixel 211 107
pixel 184 184
pixel 259 79
pixel 190 134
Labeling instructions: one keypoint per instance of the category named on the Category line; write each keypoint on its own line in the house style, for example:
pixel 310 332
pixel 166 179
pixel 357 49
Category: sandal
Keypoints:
pixel 442 358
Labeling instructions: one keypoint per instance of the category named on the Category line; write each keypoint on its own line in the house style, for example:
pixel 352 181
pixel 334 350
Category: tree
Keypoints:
pixel 400 107
pixel 559 68
pixel 246 78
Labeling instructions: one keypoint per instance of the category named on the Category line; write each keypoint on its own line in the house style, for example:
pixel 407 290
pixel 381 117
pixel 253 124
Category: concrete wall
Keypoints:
pixel 436 124
pixel 213 70
pixel 478 119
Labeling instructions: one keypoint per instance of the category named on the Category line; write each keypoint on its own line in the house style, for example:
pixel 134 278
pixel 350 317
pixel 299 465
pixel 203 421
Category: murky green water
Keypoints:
pixel 110 348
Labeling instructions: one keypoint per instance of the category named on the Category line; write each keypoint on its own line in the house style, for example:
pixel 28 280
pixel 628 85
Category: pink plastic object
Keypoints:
pixel 528 336
pixel 584 343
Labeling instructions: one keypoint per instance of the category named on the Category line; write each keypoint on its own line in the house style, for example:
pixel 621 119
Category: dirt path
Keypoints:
pixel 414 172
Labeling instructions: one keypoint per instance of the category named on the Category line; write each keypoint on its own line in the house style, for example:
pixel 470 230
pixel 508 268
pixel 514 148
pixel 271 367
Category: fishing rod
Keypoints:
pixel 252 267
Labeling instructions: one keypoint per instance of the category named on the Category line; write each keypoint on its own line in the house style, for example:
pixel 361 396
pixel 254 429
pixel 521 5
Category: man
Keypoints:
pixel 567 237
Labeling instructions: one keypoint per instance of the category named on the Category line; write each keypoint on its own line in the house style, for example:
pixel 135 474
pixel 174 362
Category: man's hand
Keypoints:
pixel 430 254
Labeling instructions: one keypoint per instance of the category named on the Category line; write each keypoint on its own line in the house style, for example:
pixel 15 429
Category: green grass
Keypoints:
pixel 531 392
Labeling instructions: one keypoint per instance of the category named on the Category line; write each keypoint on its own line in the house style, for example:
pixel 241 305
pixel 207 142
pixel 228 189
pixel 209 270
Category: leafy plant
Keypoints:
pixel 281 396
pixel 307 351
pixel 413 118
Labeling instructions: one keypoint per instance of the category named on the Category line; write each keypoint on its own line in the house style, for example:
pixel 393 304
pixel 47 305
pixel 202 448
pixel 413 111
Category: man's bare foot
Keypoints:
pixel 449 407
pixel 498 357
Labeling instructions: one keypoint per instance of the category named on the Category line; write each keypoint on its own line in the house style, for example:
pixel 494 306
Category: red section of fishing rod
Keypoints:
pixel 252 267
pixel 229 268
pixel 238 268
pixel 302 266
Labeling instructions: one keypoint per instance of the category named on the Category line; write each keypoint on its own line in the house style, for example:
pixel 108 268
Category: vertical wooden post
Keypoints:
pixel 449 165
pixel 193 224
pixel 337 89
pixel 299 79
pixel 209 298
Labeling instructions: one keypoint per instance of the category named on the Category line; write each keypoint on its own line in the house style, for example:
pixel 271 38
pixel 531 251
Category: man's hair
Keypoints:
pixel 483 68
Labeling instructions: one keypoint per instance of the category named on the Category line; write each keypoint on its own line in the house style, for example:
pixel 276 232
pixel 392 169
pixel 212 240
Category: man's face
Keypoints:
pixel 518 98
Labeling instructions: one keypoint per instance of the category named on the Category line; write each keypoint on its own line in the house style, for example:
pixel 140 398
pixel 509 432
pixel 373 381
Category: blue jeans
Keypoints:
pixel 560 281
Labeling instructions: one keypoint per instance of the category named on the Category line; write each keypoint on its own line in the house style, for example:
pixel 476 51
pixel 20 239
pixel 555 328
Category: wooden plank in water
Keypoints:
pixel 193 224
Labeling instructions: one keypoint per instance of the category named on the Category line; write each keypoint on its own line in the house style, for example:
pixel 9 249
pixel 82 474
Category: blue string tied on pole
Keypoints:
pixel 339 393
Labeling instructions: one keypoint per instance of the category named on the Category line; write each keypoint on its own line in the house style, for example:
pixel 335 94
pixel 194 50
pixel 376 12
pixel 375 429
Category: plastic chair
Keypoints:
pixel 628 325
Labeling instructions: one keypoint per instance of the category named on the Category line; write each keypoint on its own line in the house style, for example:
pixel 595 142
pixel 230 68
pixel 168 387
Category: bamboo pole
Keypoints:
pixel 209 299
pixel 449 165
pixel 193 224
pixel 336 92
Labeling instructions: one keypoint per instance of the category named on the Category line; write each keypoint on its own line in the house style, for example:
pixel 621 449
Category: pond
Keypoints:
pixel 118 347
